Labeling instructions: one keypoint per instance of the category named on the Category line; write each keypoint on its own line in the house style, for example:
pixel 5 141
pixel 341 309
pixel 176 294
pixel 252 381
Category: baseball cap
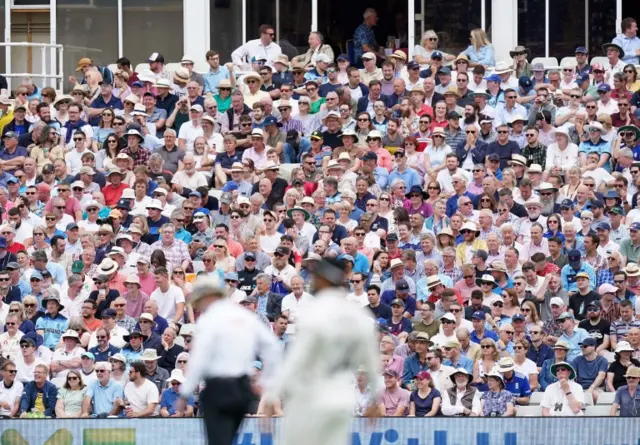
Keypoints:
pixel 566 204
pixel 581 49
pixel 580 78
pixel 517 317
pixel 390 372
pixel 436 55
pixel 525 82
pixel 574 257
pixel 392 237
pixel 565 315
pixel 604 87
pixel 596 303
pixel 444 70
pixel 402 285
pixel 603 226
pixel 589 341
pixel 397 302
pixel 270 120
pixel 369 156
pixel 607 288
pixel 493 78
pixel 617 210
pixel 634 226
pixel 583 275
pixel 412 65
pixel 478 315
pixel 109 313
pixel 556 301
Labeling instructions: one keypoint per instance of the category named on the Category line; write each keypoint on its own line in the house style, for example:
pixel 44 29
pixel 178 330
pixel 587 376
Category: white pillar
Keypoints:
pixel 314 15
pixel 411 28
pixel 504 27
pixel 618 17
pixel 196 28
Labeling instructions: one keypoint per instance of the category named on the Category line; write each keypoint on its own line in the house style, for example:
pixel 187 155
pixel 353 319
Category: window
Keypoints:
pixel 225 21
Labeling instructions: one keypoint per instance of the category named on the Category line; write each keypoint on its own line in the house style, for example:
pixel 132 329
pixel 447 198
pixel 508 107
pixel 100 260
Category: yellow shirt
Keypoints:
pixel 4 120
pixel 39 404
pixel 465 251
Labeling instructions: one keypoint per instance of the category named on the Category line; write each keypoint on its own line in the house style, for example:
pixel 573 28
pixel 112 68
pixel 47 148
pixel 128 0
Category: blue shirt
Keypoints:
pixel 412 366
pixel 601 147
pixel 361 263
pixel 169 399
pixel 518 385
pixel 409 304
pixel 464 362
pixel 482 56
pixel 574 341
pixel 363 36
pixel 409 176
pixel 99 102
pixel 487 334
pixel 381 176
pixel 6 156
pixel 131 355
pixel 53 328
pixel 103 356
pixel 212 79
pixel 629 46
pixel 568 276
pixel 103 397
pixel 57 272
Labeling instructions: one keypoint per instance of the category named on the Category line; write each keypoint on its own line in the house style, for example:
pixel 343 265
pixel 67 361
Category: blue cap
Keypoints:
pixel 36 274
pixel 270 120
pixel 604 87
pixel 413 65
pixel 343 57
pixel 581 49
pixel 72 226
pixel 258 365
pixel 589 341
pixel 230 186
pixel 444 70
pixel 89 355
pixel 478 315
pixel 195 193
pixel 566 204
pixel 12 179
pixel 518 317
pixel 603 226
pixel 231 276
pixel 596 203
pixel 436 54
pixel 634 226
pixel 346 257
pixel 3 242
pixel 369 156
pixel 493 78
pixel 202 210
pixel 137 83
pixel 123 204
pixel 109 313
pixel 581 78
pixel 525 82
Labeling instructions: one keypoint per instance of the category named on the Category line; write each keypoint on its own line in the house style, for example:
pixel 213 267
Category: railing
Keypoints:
pixel 385 431
pixel 51 71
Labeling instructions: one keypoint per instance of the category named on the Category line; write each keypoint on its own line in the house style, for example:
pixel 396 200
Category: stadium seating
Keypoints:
pixel 598 411
pixel 606 398
pixel 529 411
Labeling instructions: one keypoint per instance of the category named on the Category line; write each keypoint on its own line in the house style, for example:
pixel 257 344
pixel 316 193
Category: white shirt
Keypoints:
pixel 527 368
pixel 74 161
pixel 25 372
pixel 140 397
pixel 292 304
pixel 140 207
pixel 72 308
pixel 10 395
pixel 189 133
pixel 308 230
pixel 254 48
pixel 610 108
pixel 216 142
pixel 10 346
pixel 564 159
pixel 555 399
pixel 504 116
pixel 286 274
pixel 115 337
pixel 444 178
pixel 198 179
pixel 269 243
pixel 451 410
pixel 24 232
pixel 440 339
pixel 62 354
pixel 167 301
pixel 361 300
pixel 226 342
pixel 62 224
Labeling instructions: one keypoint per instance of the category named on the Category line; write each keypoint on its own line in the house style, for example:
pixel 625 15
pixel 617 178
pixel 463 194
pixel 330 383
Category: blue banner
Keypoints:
pixel 387 431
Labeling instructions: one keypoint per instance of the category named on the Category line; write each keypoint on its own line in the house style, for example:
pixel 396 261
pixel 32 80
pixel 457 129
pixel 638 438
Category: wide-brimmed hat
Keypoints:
pixel 502 67
pixel 547 186
pixel 505 364
pixel 487 278
pixel 632 270
pixel 480 92
pixel 79 88
pixel 532 201
pixel 149 354
pixel 561 344
pixel 333 114
pixel 624 346
pixel 298 209
pixel 133 333
pixel 460 371
pixel 446 231
pixel 254 76
pixel 633 128
pixel 398 54
pixel 496 375
pixel 70 333
pixel 453 91
pixel 176 375
pixel 396 262
pixel 606 46
pixel 520 49
pixel 107 267
pixel 471 226
pixel 555 366
pixel 417 189
pixel 498 266
pixel 374 134
pixel 64 99
pixel 181 75
pixel 633 371
pixel 51 297
pixel 433 281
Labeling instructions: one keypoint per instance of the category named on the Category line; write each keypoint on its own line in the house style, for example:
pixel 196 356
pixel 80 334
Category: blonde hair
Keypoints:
pixel 488 341
pixel 535 318
pixel 479 38
pixel 428 33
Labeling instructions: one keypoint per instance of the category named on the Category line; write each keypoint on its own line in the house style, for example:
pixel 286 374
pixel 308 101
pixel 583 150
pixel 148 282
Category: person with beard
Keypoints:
pixel 548 194
pixel 534 208
pixel 470 114
pixel 597 327
pixel 534 151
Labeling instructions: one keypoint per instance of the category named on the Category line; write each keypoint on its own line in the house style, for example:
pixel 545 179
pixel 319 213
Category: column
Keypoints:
pixel 196 30
pixel 504 26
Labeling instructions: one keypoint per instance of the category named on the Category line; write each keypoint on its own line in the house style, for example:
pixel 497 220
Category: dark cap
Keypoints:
pixel 479 315
pixel 596 203
pixel 283 251
pixel 123 204
pixel 342 57
pixel 453 115
pixel 604 226
pixel 525 82
pixel 392 237
pixel 574 257
pixel 270 120
pixel 72 226
pixel 518 317
pixel 402 285
pixel 444 70
pixel 390 372
pixel 412 65
pixel 605 87
pixel 369 156
pixel 493 157
pixel 581 49
pixel 249 255
pixel 316 135
pixel 581 78
pixel 292 135
pixel 595 303
pixel 397 302
pixel 617 210
pixel 13 266
pixel 109 313
pixel 249 300
pixel 566 204
pixel 436 55
pixel 589 341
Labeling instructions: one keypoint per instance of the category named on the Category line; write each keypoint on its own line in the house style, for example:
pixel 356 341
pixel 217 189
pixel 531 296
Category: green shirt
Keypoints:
pixel 628 250
pixel 315 106
pixel 223 104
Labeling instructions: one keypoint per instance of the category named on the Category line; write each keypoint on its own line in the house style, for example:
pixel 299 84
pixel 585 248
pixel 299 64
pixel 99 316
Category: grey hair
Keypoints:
pixel 461 198
pixel 103 365
pixel 319 36
pixel 368 12
pixel 506 226
pixel 449 250
pixel 74 278
pixel 156 157
pixel 396 183
pixel 170 131
pixel 263 277
pixel 182 356
pixel 460 178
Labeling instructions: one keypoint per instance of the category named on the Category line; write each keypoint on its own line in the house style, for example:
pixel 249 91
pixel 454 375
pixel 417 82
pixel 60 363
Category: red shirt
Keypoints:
pixel 112 194
pixel 15 247
pixel 549 268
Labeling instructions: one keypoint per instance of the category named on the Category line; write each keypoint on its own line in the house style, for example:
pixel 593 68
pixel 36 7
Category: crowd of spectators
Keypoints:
pixel 485 212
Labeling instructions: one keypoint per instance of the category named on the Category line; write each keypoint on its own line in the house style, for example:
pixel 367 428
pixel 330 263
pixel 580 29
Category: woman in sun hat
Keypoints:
pixel 497 402
pixel 626 398
pixel 618 369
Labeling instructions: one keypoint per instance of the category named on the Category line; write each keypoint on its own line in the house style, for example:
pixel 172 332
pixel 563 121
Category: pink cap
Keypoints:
pixel 44 188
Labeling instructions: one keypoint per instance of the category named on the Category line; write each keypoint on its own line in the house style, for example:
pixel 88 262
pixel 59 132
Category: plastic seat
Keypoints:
pixel 536 398
pixel 285 171
pixel 173 66
pixel 571 61
pixel 113 67
pixel 548 62
pixel 606 398
pixel 588 399
pixel 601 60
pixel 141 67
pixel 216 193
pixel 529 411
pixel 598 411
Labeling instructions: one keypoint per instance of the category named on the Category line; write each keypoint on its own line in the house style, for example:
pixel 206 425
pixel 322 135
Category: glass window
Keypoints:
pixel 295 25
pixel 226 27
pixel 531 26
pixel 88 32
pixel 566 27
pixel 154 26
pixel 602 25
pixel 260 12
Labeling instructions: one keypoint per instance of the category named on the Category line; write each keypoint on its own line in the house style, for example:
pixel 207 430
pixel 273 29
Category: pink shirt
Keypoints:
pixel 464 290
pixel 147 284
pixel 391 400
pixel 397 364
pixel 70 207
pixel 384 158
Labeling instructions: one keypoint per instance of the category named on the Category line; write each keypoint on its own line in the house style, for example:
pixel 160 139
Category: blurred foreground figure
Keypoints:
pixel 334 338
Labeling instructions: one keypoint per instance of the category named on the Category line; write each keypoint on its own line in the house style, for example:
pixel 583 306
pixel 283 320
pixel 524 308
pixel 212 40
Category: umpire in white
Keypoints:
pixel 227 340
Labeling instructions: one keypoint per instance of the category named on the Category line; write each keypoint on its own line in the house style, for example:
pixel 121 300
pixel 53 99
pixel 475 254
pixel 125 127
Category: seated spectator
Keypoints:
pixel 425 400
pixel 104 396
pixel 625 398
pixel 564 397
pixel 463 399
pixel 141 394
pixel 40 395
pixel 172 404
pixel 515 382
pixel 71 396
pixel 67 357
pixel 591 368
pixel 497 402
pixel 393 400
pixel 10 390
pixel 616 374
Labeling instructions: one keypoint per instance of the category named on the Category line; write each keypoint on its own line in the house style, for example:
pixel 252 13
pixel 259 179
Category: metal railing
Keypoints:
pixel 52 71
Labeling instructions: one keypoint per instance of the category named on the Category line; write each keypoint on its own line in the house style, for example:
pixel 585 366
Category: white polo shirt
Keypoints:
pixel 10 395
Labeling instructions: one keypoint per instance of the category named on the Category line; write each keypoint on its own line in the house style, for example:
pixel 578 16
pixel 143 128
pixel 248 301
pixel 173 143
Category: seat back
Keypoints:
pixel 598 410
pixel 548 62
pixel 601 60
pixel 529 411
pixel 606 398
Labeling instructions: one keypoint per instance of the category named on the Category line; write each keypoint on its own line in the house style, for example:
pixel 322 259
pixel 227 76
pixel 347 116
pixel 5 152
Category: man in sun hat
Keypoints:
pixel 564 398
pixel 515 382
pixel 471 243
pixel 67 357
